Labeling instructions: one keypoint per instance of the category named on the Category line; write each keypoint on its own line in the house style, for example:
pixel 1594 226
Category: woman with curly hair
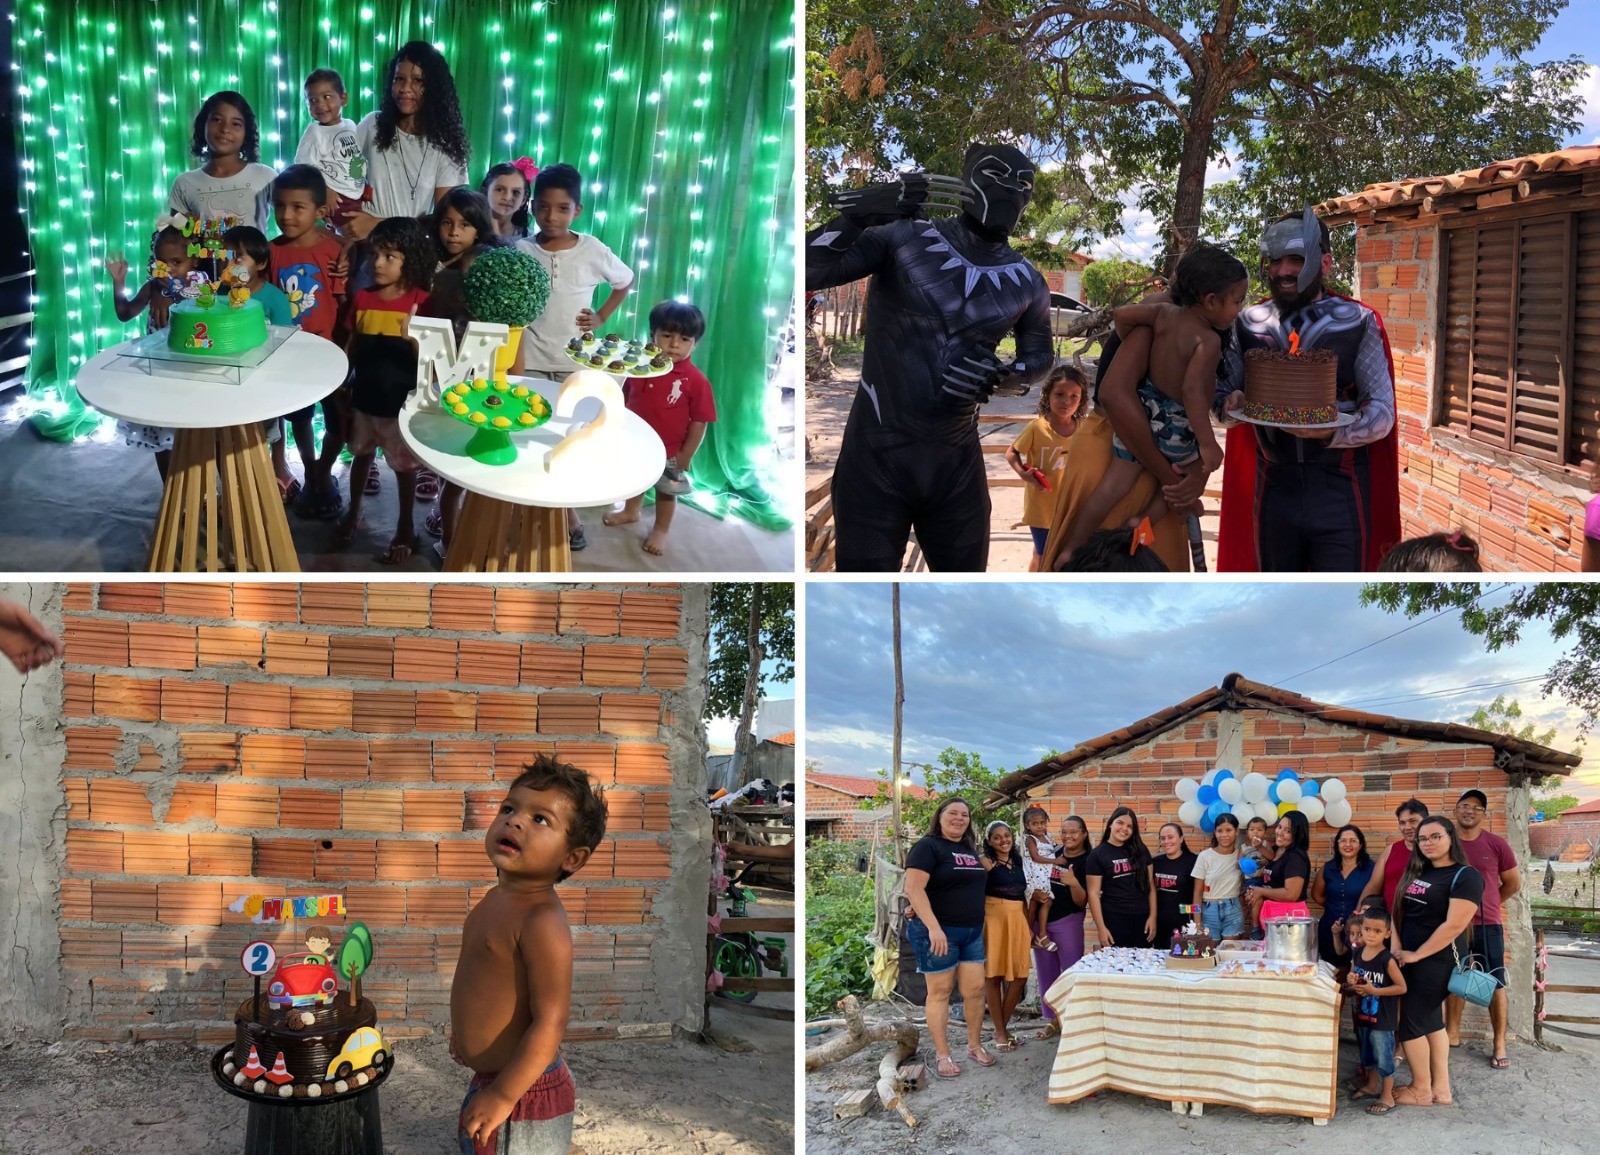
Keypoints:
pixel 230 182
pixel 415 145
pixel 383 360
pixel 1039 454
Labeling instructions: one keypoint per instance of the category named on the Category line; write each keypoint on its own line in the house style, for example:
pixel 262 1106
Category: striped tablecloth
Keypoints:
pixel 1269 1045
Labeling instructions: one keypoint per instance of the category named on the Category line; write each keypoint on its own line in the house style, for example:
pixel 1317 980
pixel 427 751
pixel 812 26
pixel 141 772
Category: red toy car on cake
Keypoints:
pixel 302 982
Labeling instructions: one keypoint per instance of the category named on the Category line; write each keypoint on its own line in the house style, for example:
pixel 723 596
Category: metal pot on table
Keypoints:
pixel 1292 940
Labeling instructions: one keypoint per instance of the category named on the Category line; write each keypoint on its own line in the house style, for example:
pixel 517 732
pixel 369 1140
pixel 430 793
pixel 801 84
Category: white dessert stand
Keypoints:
pixel 592 451
pixel 218 438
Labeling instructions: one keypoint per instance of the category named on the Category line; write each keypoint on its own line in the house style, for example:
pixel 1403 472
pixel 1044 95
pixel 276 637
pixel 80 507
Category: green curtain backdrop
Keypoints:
pixel 680 117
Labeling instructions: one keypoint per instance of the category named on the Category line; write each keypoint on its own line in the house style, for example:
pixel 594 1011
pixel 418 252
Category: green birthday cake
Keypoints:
pixel 223 330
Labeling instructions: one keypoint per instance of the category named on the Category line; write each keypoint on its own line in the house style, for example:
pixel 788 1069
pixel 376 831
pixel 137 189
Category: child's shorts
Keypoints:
pixel 1377 1051
pixel 346 208
pixel 369 434
pixel 1040 536
pixel 540 1123
pixel 1169 425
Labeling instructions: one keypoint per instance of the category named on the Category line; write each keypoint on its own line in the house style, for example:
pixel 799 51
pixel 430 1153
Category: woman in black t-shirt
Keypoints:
pixel 1287 878
pixel 1069 898
pixel 1005 931
pixel 945 883
pixel 1173 874
pixel 1438 895
pixel 1122 899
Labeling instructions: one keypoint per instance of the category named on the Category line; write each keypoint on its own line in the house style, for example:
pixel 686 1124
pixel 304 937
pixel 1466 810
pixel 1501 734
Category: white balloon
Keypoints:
pixel 1337 813
pixel 1312 808
pixel 1333 791
pixel 1208 778
pixel 1244 811
pixel 1230 791
pixel 1255 787
pixel 1189 813
pixel 1288 790
pixel 1267 811
pixel 1186 789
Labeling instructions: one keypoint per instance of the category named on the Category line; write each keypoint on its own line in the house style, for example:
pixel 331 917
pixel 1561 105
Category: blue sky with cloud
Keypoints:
pixel 1013 670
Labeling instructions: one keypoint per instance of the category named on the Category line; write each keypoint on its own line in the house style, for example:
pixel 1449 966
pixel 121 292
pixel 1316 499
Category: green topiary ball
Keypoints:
pixel 506 286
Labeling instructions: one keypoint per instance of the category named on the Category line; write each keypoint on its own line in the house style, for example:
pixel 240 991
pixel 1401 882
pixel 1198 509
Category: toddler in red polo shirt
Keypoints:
pixel 678 406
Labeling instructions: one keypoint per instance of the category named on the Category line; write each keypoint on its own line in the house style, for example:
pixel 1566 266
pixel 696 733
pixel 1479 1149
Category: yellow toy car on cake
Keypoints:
pixel 364 1048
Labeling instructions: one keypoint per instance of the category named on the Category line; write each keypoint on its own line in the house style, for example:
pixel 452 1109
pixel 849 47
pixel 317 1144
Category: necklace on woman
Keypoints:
pixel 422 166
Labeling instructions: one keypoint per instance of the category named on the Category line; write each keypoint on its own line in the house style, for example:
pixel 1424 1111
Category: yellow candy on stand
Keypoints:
pixel 479 419
pixel 502 423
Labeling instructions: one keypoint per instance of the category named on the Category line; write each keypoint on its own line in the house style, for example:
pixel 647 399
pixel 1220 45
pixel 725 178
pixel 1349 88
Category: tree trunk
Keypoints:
pixel 895 839
pixel 1189 204
pixel 744 738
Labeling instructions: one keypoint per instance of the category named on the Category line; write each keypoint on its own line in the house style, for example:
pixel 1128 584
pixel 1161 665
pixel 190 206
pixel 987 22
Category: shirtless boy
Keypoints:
pixel 513 983
pixel 1207 294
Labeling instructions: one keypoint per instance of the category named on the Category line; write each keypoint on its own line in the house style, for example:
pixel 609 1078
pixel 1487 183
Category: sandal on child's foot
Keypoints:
pixel 576 540
pixel 428 485
pixel 981 1056
pixel 1381 1108
pixel 1010 1044
pixel 400 550
pixel 371 488
pixel 434 524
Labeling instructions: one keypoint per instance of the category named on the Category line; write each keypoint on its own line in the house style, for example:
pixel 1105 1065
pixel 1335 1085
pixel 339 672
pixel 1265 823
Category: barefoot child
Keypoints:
pixel 1042 447
pixel 678 406
pixel 383 357
pixel 1039 857
pixel 1375 977
pixel 513 982
pixel 1207 294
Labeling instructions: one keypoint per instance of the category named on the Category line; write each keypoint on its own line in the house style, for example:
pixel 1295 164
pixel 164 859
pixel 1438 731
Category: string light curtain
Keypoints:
pixel 679 116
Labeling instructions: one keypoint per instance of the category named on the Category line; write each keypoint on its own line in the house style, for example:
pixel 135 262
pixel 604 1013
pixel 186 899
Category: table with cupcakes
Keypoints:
pixel 1233 1023
pixel 527 449
pixel 213 376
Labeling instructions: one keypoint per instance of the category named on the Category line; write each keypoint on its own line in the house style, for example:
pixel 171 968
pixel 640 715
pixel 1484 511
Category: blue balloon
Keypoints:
pixel 1208 822
pixel 1287 773
pixel 1207 795
pixel 1248 867
pixel 1308 789
pixel 1272 791
pixel 1217 809
pixel 1221 774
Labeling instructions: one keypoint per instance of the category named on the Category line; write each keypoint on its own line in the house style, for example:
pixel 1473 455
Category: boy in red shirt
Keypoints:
pixel 307 263
pixel 678 406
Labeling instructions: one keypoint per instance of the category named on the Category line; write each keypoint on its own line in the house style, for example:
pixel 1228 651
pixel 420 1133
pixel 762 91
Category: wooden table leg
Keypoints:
pixel 499 537
pixel 248 513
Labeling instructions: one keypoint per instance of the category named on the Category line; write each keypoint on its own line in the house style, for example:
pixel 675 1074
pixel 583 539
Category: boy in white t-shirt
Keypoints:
pixel 578 264
pixel 329 145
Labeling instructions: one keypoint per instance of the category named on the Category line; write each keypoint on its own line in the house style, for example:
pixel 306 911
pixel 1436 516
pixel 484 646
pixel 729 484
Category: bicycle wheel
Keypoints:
pixel 736 960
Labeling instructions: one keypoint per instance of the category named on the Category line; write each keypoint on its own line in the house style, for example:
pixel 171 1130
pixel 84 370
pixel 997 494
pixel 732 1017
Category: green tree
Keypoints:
pixel 752 638
pixel 1505 717
pixel 1114 282
pixel 958 772
pixel 1310 98
pixel 1554 806
pixel 1568 609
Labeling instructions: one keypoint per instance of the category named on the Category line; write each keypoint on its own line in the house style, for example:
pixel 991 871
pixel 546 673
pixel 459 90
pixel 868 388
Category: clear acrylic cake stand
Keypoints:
pixel 152 356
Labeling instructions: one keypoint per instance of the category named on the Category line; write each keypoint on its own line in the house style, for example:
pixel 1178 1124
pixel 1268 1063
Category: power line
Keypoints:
pixel 1447 693
pixel 1387 637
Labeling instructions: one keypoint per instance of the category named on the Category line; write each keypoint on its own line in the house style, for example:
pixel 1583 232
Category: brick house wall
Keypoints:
pixel 1568 839
pixel 1522 516
pixel 838 816
pixel 215 740
pixel 1380 771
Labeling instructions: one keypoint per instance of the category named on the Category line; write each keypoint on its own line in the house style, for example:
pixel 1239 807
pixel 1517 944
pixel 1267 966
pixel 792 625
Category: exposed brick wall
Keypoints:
pixel 356 739
pixel 1524 517
pixel 1570 839
pixel 840 815
pixel 1379 771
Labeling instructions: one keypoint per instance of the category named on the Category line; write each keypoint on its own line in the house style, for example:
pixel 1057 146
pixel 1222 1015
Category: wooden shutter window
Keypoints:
pixel 1583 421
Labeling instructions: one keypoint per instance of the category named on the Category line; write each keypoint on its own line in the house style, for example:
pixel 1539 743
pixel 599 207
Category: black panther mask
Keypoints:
pixel 1001 180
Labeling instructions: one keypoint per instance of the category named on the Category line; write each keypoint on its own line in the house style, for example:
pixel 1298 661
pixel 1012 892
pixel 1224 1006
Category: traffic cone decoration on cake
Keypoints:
pixel 279 1073
pixel 253 1069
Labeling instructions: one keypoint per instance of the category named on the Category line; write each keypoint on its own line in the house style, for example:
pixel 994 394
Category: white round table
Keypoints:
pixel 513 519
pixel 217 411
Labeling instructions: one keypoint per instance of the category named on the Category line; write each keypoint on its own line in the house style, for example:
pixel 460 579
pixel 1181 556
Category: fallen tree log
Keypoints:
pixel 858 1033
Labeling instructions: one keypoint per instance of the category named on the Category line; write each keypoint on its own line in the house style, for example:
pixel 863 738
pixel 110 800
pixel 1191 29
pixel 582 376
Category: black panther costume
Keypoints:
pixel 943 294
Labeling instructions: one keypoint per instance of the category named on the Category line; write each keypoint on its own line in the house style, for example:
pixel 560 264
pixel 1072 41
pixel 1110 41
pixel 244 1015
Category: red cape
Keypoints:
pixel 1236 533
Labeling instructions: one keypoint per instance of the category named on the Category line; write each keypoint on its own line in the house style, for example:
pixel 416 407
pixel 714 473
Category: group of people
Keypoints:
pixel 376 223
pixel 1113 471
pixel 981 914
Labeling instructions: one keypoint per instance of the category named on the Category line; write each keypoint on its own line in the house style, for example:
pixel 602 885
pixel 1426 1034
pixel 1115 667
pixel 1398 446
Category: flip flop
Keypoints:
pixel 428 485
pixel 1500 1062
pixel 1357 1096
pixel 400 552
pixel 1381 1109
pixel 434 524
pixel 1005 1047
pixel 939 1068
pixel 371 489
pixel 289 490
pixel 1051 1031
pixel 974 1054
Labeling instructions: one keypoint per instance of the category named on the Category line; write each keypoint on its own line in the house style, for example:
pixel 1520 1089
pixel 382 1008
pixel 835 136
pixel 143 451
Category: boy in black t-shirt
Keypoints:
pixel 1376 980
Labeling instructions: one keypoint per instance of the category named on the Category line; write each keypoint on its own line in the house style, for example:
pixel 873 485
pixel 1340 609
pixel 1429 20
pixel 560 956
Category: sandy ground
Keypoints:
pixel 1010 545
pixel 1544 1103
pixel 672 1097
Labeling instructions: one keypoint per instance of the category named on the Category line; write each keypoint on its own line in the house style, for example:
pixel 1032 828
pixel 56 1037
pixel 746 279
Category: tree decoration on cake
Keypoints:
pixel 355 956
pixel 1219 792
pixel 506 287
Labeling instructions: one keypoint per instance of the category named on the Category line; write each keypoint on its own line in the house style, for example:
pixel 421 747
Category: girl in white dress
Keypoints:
pixel 1039 858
